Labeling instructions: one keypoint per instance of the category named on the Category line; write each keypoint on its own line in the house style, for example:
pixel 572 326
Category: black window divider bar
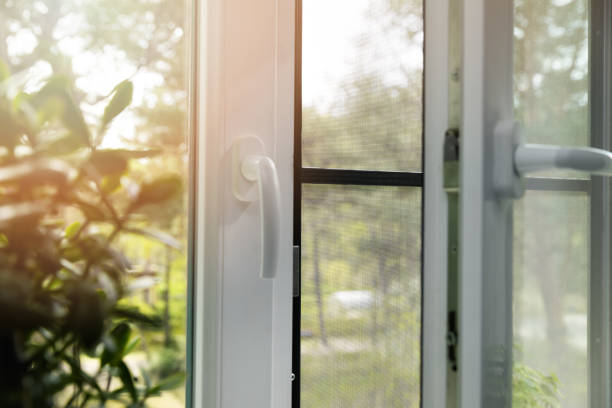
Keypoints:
pixel 311 175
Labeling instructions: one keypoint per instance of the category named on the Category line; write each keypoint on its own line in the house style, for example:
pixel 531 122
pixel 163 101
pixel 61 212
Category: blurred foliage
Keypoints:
pixel 532 389
pixel 63 279
pixel 112 156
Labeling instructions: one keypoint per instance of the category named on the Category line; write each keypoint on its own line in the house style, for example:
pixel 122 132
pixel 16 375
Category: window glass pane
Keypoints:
pixel 361 297
pixel 551 81
pixel 362 72
pixel 551 249
pixel 99 89
pixel 551 253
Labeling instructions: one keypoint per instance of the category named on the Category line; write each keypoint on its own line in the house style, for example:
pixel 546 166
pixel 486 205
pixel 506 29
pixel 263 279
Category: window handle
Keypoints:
pixel 514 159
pixel 262 170
pixel 529 158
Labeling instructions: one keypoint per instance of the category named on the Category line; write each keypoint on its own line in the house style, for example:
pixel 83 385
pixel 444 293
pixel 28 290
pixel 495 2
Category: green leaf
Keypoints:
pixel 72 254
pixel 108 162
pixel 86 315
pixel 55 99
pixel 50 108
pixel 167 384
pixel 114 350
pixel 132 345
pixel 127 380
pixel 3 241
pixel 158 191
pixel 122 98
pixel 72 229
pixel 135 316
pixel 66 144
pixel 91 212
pixel 160 236
pixel 111 183
pixel 56 382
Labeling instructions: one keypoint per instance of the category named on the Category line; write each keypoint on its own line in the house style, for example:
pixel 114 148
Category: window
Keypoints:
pixel 555 262
pixel 358 205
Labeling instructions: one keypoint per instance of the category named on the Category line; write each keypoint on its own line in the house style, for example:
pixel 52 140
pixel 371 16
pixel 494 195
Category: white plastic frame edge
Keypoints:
pixel 435 205
pixel 211 149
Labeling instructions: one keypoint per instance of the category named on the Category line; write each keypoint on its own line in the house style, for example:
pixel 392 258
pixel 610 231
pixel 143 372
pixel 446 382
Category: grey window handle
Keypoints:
pixel 514 159
pixel 530 158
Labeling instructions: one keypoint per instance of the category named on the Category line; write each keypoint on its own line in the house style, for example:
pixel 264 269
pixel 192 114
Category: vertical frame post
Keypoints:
pixel 435 205
pixel 599 285
pixel 485 297
pixel 192 213
pixel 297 206
pixel 241 323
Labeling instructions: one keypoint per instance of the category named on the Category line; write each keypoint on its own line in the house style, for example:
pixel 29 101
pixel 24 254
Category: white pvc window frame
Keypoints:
pixel 486 231
pixel 210 382
pixel 435 204
pixel 222 378
pixel 241 323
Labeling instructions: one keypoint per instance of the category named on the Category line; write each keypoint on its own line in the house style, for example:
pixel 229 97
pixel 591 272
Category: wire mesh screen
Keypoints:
pixel 551 268
pixel 362 76
pixel 361 297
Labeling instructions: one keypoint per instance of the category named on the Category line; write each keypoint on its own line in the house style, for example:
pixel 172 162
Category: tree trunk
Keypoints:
pixel 385 281
pixel 548 280
pixel 317 281
pixel 374 328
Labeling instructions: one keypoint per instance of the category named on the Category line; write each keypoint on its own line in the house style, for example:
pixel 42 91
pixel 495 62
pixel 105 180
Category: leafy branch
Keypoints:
pixel 62 280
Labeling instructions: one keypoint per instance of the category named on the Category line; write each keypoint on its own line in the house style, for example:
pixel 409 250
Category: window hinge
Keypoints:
pixel 296 270
pixel 451 186
pixel 451 160
pixel 452 340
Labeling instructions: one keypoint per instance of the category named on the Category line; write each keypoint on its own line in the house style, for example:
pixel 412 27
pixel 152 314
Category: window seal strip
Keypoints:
pixel 558 184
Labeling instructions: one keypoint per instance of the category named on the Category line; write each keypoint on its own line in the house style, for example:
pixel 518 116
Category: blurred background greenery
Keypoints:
pixel 93 45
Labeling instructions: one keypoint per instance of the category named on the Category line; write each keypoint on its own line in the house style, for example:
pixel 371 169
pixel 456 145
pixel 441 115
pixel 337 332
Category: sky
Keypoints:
pixel 331 30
